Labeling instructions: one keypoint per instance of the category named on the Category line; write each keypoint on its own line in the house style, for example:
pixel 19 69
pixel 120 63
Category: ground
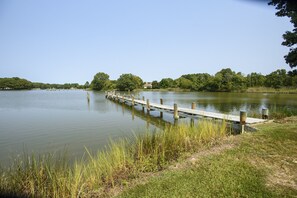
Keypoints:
pixel 258 164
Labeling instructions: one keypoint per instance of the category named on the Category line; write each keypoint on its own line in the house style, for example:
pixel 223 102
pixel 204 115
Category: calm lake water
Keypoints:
pixel 50 121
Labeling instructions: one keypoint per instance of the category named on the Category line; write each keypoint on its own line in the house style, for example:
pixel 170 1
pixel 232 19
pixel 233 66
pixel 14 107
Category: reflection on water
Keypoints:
pixel 47 121
pixel 230 103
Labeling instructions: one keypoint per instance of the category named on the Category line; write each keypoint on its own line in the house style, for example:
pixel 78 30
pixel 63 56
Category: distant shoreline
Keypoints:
pixel 177 90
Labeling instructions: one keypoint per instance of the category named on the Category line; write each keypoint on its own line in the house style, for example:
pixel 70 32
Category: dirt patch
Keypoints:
pixel 194 159
pixel 292 119
pixel 280 172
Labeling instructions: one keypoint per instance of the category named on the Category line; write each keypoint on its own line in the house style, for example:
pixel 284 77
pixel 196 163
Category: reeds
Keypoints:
pixel 121 161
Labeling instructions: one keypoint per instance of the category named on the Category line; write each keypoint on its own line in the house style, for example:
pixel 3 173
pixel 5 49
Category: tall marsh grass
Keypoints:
pixel 119 163
pixel 276 112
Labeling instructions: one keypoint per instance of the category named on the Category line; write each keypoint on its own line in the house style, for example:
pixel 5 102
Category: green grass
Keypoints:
pixel 97 174
pixel 288 90
pixel 276 113
pixel 262 164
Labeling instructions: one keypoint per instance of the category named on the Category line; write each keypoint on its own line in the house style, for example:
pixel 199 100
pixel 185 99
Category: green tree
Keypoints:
pixel 183 83
pixel 292 78
pixel 166 83
pixel 288 8
pixel 87 85
pixel 155 85
pixel 238 82
pixel 15 83
pixel 227 80
pixel 129 82
pixel 99 81
pixel 276 79
pixel 255 80
pixel 199 81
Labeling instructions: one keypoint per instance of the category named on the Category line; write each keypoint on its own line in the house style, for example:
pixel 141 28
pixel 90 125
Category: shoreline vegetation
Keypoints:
pixel 120 163
pixel 260 164
pixel 204 160
pixel 226 80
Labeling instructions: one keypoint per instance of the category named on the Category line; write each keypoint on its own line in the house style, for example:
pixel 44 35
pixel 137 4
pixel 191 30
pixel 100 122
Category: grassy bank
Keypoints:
pixel 98 174
pixel 165 90
pixel 261 164
pixel 284 90
pixel 276 113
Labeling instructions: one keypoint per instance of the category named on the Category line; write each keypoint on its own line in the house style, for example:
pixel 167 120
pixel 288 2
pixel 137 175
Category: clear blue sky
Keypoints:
pixel 70 41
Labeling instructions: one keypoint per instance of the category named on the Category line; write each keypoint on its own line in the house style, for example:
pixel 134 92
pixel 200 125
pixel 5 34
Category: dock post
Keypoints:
pixel 175 114
pixel 192 120
pixel 133 103
pixel 88 97
pixel 148 106
pixel 193 105
pixel 143 105
pixel 161 102
pixel 265 112
pixel 242 120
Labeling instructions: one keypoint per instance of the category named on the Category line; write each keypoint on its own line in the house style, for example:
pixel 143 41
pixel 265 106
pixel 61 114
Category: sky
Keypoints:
pixel 70 41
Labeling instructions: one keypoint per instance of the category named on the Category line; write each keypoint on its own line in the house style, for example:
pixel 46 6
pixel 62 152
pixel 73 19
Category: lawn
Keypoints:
pixel 260 164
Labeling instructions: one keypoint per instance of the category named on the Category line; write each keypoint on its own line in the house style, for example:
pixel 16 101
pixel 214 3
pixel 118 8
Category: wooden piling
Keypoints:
pixel 192 119
pixel 265 113
pixel 143 105
pixel 175 114
pixel 133 103
pixel 88 97
pixel 242 120
pixel 161 102
pixel 193 105
pixel 148 106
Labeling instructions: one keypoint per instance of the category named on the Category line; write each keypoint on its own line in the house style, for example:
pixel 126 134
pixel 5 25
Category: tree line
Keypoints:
pixel 17 83
pixel 225 80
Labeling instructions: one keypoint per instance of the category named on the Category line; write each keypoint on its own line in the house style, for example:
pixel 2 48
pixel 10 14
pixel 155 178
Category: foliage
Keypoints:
pixel 255 80
pixel 228 80
pixel 183 83
pixel 155 85
pixel 38 85
pixel 276 79
pixel 199 81
pixel 100 81
pixel 15 83
pixel 87 85
pixel 167 83
pixel 128 82
pixel 288 8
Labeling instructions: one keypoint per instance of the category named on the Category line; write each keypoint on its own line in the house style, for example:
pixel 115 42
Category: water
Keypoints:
pixel 49 121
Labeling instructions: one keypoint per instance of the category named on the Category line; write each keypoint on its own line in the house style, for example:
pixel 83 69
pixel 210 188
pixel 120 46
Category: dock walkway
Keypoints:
pixel 183 112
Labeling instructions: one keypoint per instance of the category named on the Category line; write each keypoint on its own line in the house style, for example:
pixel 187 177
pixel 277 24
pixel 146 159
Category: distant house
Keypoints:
pixel 148 85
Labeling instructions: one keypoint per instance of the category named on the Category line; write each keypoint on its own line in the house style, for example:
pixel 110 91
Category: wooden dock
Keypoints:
pixel 184 112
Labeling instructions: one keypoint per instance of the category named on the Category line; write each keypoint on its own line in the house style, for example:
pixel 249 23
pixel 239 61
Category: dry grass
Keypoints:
pixel 97 174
